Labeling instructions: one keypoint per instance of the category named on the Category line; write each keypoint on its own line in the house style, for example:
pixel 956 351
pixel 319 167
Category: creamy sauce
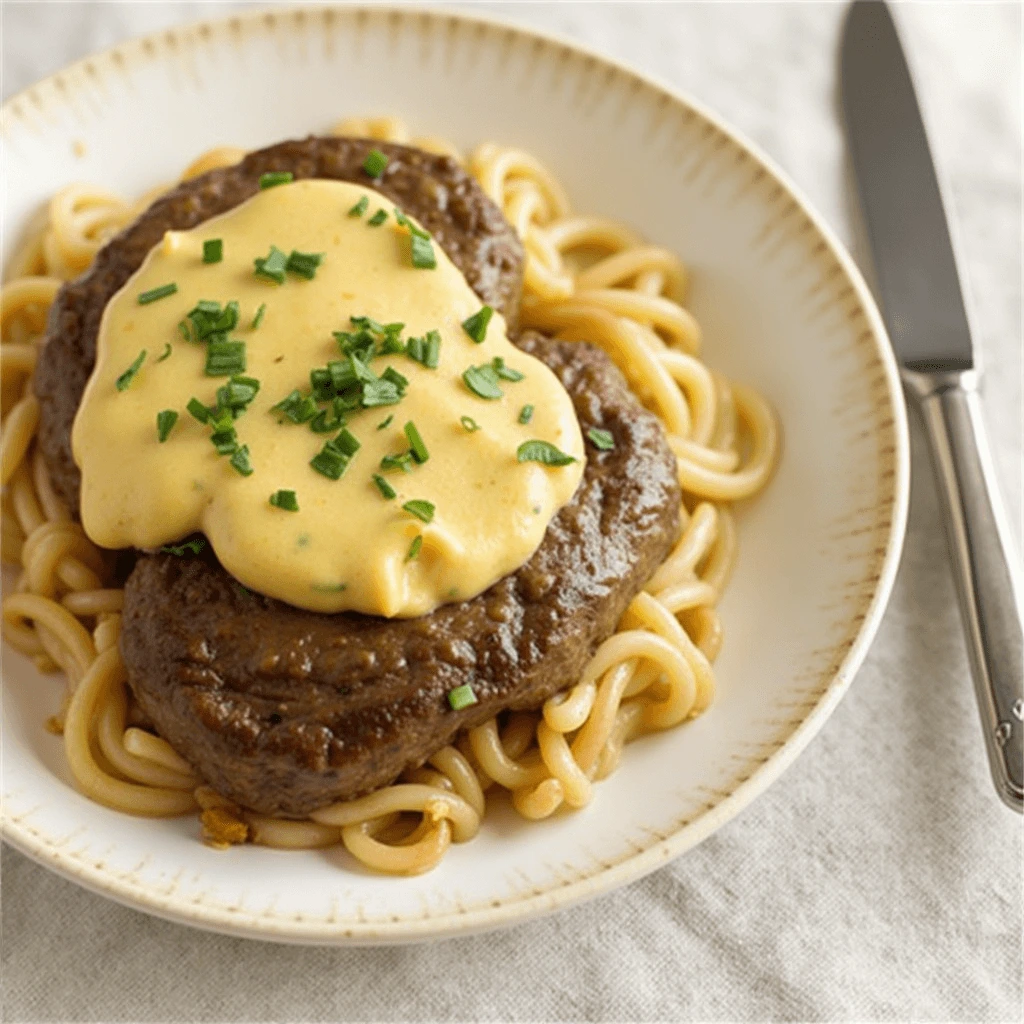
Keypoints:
pixel 347 548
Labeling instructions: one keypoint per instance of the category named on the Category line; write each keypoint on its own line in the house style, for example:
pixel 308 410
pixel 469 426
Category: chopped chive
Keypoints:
pixel 210 322
pixel 483 381
pixel 397 462
pixel 346 443
pixel 360 208
pixel 384 487
pixel 378 218
pixel 190 547
pixel 422 510
pixel 385 423
pixel 332 460
pixel 423 257
pixel 526 414
pixel 544 452
pixel 166 354
pixel 418 448
pixel 258 318
pixel 432 355
pixel 375 163
pixel 297 408
pixel 240 460
pixel 272 178
pixel 305 264
pixel 470 424
pixel 396 378
pixel 157 293
pixel 213 250
pixel 198 410
pixel 414 547
pixel 272 266
pixel 237 394
pixel 380 392
pixel 223 358
pixel 506 372
pixel 461 697
pixel 285 500
pixel 476 325
pixel 329 588
pixel 183 330
pixel 125 380
pixel 165 424
pixel 601 439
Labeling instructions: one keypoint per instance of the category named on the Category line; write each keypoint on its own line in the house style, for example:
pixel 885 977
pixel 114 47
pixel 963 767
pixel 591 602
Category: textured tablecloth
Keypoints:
pixel 880 878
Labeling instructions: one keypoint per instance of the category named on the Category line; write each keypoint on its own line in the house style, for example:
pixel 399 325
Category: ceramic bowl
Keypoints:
pixel 782 307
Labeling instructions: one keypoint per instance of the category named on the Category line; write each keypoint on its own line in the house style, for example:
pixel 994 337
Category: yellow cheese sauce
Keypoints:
pixel 347 547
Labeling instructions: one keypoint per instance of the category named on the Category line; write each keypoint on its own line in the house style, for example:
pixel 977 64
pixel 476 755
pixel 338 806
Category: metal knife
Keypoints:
pixel 924 311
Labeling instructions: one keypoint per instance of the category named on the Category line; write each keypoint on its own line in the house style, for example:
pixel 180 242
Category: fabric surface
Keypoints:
pixel 880 878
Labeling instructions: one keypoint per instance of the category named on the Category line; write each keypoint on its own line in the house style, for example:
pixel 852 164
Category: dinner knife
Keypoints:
pixel 924 311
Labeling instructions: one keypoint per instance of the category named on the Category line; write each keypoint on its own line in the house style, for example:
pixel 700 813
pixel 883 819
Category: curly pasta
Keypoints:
pixel 586 278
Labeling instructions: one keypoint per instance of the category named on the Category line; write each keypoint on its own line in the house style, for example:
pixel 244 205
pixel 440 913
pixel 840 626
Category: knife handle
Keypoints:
pixel 986 569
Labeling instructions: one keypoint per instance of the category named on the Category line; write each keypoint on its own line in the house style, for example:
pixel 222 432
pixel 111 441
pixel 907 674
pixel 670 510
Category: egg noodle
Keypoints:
pixel 586 279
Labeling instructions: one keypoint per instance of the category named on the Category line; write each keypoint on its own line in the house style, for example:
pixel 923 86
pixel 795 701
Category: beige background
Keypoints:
pixel 880 878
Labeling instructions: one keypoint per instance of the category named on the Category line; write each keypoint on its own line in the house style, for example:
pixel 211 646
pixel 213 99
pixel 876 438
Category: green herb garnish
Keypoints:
pixel 476 325
pixel 166 354
pixel 190 547
pixel 165 424
pixel 240 460
pixel 125 380
pixel 332 460
pixel 157 293
pixel 304 264
pixel 198 410
pixel 414 547
pixel 483 381
pixel 526 414
pixel 360 208
pixel 385 423
pixel 506 372
pixel 258 318
pixel 272 266
pixel 285 500
pixel 397 462
pixel 384 487
pixel 423 257
pixel 375 163
pixel 223 358
pixel 272 178
pixel 601 439
pixel 237 394
pixel 416 445
pixel 543 451
pixel 461 697
pixel 470 424
pixel 213 250
pixel 422 510
pixel 378 218
pixel 296 407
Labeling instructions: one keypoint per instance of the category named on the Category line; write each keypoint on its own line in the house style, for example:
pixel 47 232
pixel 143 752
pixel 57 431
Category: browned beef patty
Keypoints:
pixel 285 710
pixel 434 189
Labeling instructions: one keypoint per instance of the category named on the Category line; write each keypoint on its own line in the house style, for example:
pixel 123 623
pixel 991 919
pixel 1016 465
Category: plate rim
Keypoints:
pixel 153 48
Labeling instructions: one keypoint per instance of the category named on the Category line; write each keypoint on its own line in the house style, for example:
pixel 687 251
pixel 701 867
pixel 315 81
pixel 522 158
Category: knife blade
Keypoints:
pixel 924 311
pixel 906 222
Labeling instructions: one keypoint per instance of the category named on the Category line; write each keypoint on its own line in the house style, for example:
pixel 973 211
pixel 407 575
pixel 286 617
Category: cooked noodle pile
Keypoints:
pixel 586 278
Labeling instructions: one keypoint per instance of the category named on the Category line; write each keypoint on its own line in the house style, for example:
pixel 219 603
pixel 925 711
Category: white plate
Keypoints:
pixel 782 307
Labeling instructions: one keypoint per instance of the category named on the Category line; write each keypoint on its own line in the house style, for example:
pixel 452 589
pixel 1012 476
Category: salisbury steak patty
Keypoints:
pixel 433 189
pixel 285 710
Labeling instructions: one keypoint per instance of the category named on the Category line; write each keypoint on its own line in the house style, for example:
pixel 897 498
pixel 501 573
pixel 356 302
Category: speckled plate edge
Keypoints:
pixel 811 716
